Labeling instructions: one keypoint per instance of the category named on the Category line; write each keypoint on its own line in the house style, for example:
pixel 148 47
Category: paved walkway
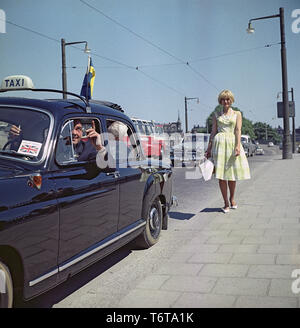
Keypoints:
pixel 241 259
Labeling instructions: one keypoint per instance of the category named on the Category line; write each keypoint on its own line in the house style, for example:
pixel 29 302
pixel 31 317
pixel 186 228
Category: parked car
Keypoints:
pixel 59 212
pixel 270 144
pixel 190 150
pixel 259 151
pixel 249 145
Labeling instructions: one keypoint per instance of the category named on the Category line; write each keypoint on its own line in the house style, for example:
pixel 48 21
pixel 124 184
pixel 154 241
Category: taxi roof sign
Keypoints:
pixel 17 82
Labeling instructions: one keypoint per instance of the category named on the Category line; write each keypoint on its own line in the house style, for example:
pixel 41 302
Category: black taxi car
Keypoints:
pixel 59 211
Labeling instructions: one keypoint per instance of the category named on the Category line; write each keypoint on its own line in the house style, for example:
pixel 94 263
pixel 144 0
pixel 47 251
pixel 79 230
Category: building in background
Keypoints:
pixel 173 127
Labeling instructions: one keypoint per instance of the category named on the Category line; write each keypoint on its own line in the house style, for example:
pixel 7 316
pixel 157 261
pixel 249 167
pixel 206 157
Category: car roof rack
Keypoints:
pixel 108 104
pixel 24 83
pixel 87 108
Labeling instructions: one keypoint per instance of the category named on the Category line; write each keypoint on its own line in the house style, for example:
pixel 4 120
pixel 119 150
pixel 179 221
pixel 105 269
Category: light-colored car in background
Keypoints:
pixel 249 145
pixel 259 151
pixel 190 150
pixel 270 144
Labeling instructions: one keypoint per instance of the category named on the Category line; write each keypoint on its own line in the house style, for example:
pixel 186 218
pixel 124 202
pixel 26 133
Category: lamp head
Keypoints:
pixel 86 49
pixel 250 29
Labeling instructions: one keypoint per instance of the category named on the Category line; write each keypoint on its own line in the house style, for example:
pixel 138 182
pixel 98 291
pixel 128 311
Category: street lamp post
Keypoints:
pixel 286 149
pixel 63 57
pixel 186 110
pixel 293 122
pixel 293 127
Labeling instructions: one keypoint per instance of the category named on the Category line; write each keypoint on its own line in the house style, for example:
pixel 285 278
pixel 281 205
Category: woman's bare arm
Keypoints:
pixel 238 132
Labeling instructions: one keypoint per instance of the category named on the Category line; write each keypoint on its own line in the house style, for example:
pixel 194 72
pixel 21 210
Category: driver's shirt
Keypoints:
pixel 85 151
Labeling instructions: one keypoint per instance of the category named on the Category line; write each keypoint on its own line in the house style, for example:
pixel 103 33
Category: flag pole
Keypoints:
pixel 87 73
pixel 88 108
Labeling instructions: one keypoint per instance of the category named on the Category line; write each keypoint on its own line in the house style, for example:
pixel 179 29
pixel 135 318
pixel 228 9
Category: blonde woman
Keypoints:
pixel 225 148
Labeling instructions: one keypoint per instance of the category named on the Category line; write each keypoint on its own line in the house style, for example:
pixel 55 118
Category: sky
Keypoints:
pixel 150 54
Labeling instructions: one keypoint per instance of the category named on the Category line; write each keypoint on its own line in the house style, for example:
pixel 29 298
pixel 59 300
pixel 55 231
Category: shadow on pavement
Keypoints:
pixel 213 209
pixel 180 215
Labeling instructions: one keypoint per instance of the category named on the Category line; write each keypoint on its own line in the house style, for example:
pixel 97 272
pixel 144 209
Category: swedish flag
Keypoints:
pixel 88 81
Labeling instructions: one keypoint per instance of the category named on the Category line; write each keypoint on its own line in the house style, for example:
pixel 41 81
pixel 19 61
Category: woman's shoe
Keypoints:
pixel 225 209
pixel 234 207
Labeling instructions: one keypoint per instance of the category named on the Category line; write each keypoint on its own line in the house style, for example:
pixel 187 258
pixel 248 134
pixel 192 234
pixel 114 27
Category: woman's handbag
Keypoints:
pixel 207 167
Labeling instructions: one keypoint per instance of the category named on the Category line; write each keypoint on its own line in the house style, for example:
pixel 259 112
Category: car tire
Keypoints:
pixel 151 233
pixel 6 287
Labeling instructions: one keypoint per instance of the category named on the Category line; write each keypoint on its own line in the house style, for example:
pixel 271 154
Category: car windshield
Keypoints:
pixel 23 133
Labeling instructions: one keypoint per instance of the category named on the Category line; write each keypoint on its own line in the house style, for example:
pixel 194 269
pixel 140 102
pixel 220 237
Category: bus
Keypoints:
pixel 151 136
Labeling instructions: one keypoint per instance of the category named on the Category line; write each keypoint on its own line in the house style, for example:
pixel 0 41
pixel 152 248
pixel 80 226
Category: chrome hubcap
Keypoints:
pixel 154 219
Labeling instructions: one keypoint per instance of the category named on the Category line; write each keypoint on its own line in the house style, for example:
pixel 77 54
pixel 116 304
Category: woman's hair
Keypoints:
pixel 226 94
pixel 118 129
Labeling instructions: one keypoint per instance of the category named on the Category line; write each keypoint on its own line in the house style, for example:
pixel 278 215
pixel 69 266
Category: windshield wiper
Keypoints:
pixel 15 154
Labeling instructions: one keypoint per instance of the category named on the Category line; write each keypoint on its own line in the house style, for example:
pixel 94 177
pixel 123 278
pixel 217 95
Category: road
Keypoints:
pixel 105 283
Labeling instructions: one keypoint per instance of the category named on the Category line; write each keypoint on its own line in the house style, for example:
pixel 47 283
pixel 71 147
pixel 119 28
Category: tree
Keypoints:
pixel 265 132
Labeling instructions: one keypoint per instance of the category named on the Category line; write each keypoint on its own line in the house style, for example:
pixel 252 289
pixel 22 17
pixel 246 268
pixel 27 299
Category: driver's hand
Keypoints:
pixel 14 131
pixel 94 136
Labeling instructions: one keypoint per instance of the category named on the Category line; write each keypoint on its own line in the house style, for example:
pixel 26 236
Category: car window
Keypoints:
pixel 23 133
pixel 73 144
pixel 123 143
pixel 148 129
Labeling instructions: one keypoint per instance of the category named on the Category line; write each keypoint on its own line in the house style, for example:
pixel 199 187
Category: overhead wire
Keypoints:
pixel 234 52
pixel 180 61
pixel 160 82
pixel 138 68
pixel 32 31
pixel 99 56
pixel 131 31
pixel 150 43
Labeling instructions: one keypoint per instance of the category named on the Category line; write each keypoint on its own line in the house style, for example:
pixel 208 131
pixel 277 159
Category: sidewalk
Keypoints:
pixel 244 258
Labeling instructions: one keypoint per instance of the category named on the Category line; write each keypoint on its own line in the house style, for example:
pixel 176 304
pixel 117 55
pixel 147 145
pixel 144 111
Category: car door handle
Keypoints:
pixel 116 174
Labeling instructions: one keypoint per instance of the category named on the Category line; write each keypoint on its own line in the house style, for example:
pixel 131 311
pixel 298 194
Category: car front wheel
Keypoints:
pixel 150 235
pixel 6 287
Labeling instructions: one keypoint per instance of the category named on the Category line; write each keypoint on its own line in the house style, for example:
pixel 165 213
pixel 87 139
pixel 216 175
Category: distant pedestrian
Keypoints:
pixel 225 148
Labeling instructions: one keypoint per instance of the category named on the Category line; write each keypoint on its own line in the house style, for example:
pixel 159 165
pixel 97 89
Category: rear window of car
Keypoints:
pixel 23 133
